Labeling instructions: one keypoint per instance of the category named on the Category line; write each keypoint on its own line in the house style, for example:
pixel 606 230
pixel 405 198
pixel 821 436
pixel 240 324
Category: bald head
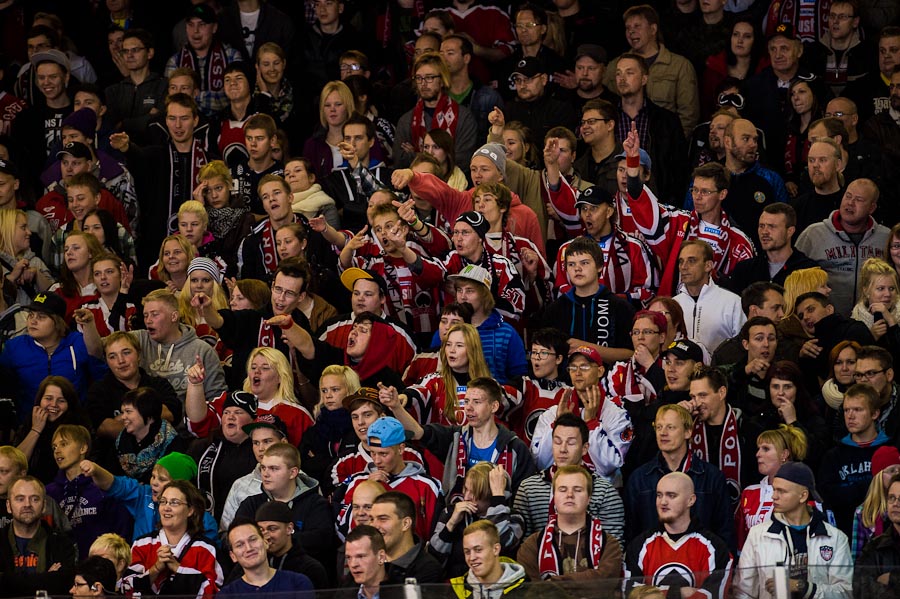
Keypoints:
pixel 741 144
pixel 674 499
pixel 677 480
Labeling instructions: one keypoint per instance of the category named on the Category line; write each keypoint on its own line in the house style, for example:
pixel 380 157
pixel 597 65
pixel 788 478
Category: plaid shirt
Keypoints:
pixel 623 126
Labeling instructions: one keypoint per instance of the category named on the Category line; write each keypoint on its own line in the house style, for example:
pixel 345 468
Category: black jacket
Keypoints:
pixel 295 560
pixel 272 26
pixel 418 564
pixel 59 548
pixel 756 269
pixel 541 115
pixel 667 148
pixel 880 555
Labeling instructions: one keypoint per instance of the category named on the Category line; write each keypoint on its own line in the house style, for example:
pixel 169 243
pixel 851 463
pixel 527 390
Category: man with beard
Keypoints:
pixel 825 162
pixel 434 109
pixel 711 149
pixel 32 554
pixel 598 130
pixel 679 555
pixel 533 105
pixel 590 67
pixel 457 51
pixel 778 258
pixel 753 186
pixel 872 92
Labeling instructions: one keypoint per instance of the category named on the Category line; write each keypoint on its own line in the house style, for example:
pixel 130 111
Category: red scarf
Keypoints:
pixel 729 451
pixel 267 245
pixel 216 61
pixel 176 194
pixel 504 458
pixel 809 17
pixel 548 554
pixel 446 117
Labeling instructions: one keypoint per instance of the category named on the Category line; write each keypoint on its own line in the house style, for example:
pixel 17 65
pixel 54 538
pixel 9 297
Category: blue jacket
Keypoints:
pixel 29 360
pixel 503 348
pixel 712 508
pixel 138 500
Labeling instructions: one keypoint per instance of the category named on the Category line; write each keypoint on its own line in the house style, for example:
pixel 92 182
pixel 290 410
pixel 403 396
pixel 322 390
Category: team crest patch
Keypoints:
pixel 827 552
pixel 759 197
pixel 627 435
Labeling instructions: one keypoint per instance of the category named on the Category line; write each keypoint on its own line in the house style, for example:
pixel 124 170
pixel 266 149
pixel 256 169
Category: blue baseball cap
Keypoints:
pixel 645 159
pixel 386 432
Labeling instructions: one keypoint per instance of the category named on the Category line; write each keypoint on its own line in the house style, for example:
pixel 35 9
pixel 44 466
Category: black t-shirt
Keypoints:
pixel 799 557
pixel 26 561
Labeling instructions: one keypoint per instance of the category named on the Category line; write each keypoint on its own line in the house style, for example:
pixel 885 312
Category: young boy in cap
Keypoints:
pixel 354 458
pixel 386 438
pixel 816 553
pixel 606 417
pixel 628 267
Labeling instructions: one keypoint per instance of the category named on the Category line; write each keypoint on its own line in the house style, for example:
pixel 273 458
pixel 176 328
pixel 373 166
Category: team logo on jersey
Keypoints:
pixel 827 552
pixel 674 575
pixel 759 197
pixel 627 435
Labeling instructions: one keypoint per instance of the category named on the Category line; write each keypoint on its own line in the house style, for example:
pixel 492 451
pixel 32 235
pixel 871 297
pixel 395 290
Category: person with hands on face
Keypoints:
pixel 610 425
pixel 485 496
pixel 24 270
pixel 176 559
pixel 879 306
pixel 826 328
pixel 746 377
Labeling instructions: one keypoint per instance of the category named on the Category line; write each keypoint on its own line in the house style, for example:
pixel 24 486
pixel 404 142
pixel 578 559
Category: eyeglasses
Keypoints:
pixel 869 374
pixel 838 17
pixel 895 246
pixel 839 113
pixel 129 51
pixel 80 584
pixel 173 502
pixel 543 354
pixel 520 79
pixel 420 79
pixel 703 193
pixel 288 293
pixel 643 332
pixel 346 68
pixel 582 368
pixel 530 25
pixel 891 499
pixel 592 122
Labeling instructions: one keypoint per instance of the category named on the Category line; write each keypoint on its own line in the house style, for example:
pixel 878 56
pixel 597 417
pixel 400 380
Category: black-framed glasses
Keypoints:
pixel 419 79
pixel 592 122
pixel 869 374
pixel 543 354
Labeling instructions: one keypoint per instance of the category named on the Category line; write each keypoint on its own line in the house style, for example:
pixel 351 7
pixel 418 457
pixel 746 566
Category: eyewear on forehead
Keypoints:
pixel 173 502
pixel 736 100
pixel 592 122
pixel 426 78
pixel 869 374
pixel 582 367
pixel 543 354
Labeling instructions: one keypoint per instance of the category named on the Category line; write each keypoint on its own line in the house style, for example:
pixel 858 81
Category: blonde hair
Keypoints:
pixel 194 207
pixel 346 97
pixel 284 450
pixel 186 310
pixel 8 218
pixel 114 545
pixel 646 591
pixel 479 480
pixel 16 456
pixel 277 361
pixel 686 419
pixel 186 246
pixel 870 271
pixel 349 376
pixel 786 437
pixel 161 295
pixel 215 169
pixel 800 282
pixel 477 367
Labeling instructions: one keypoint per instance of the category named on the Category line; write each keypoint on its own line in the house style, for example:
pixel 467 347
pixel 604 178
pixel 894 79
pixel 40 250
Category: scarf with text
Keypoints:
pixel 446 117
pixel 729 451
pixel 549 555
pixel 267 246
pixel 212 75
pixel 503 457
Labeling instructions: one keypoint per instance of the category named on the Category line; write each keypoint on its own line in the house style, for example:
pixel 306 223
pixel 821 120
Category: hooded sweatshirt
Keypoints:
pixel 844 476
pixel 468 586
pixel 171 361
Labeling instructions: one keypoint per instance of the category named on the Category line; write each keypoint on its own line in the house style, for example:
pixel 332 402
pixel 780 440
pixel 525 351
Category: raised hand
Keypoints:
pixel 127 276
pixel 590 397
pixel 406 210
pixel 551 152
pixel 358 240
pixel 632 143
pixel 83 316
pixel 196 374
pixel 200 302
pixel 497 119
pixel 530 261
pixel 39 417
pixel 200 191
pixel 119 141
pixel 565 403
pixel 87 468
pixel 280 320
pixel 388 396
pixel 400 178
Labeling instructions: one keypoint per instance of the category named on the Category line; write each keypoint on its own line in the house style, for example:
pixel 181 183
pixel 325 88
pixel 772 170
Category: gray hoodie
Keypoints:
pixel 513 572
pixel 172 361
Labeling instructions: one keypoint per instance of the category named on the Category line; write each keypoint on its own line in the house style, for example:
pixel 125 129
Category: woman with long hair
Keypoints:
pixel 440 397
pixel 336 104
pixel 879 306
pixel 24 270
pixel 744 56
pixel 484 497
pixel 774 447
pixel 805 108
pixel 176 559
pixel 76 281
pixel 308 197
pixel 175 255
pixel 791 335
pixel 519 147
pixel 892 249
pixel 271 64
pixel 55 403
pixel 871 518
pixel 113 308
pixel 271 380
pixel 104 227
pixel 439 144
pixel 323 440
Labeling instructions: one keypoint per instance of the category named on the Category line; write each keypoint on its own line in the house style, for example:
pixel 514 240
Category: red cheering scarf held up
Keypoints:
pixel 446 117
